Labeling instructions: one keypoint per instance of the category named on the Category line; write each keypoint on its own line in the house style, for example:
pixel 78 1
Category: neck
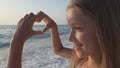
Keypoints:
pixel 91 63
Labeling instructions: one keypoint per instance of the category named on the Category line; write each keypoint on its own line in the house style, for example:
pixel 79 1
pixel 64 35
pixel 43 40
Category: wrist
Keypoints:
pixel 54 26
pixel 16 40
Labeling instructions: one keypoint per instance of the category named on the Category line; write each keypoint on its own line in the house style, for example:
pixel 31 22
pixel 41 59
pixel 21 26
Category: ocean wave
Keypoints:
pixel 6 32
pixel 2 45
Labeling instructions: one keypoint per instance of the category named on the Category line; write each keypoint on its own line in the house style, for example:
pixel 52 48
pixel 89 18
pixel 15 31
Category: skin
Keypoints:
pixel 82 36
pixel 24 31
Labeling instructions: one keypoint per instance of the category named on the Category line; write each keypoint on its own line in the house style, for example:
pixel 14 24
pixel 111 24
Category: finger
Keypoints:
pixel 43 17
pixel 39 13
pixel 45 29
pixel 30 19
pixel 21 20
pixel 29 16
pixel 40 17
pixel 25 15
pixel 38 32
pixel 46 19
pixel 37 19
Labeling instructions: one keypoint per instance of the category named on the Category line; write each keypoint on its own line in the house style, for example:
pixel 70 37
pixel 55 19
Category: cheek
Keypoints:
pixel 92 46
pixel 89 42
pixel 92 43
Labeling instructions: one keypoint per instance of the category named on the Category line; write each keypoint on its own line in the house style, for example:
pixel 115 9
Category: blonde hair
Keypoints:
pixel 107 15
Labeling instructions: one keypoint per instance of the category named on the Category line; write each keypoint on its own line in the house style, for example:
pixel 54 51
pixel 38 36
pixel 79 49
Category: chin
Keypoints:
pixel 81 54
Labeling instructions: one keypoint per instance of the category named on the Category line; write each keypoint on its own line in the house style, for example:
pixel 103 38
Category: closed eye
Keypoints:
pixel 79 28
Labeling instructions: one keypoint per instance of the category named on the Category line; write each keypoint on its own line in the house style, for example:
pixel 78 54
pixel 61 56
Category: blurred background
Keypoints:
pixel 11 11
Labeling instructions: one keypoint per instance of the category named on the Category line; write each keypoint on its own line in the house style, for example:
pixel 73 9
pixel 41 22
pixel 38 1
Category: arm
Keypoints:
pixel 57 45
pixel 56 42
pixel 22 32
pixel 15 54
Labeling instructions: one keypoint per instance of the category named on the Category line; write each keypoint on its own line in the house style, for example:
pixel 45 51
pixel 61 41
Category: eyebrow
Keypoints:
pixel 75 23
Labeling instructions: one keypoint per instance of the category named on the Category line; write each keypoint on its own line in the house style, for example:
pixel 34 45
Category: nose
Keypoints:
pixel 71 37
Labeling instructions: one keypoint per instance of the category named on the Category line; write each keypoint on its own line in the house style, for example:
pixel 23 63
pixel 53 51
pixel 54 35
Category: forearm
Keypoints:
pixel 57 45
pixel 56 42
pixel 22 32
pixel 15 54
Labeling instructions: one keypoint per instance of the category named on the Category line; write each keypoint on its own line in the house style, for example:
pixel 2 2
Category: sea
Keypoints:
pixel 37 52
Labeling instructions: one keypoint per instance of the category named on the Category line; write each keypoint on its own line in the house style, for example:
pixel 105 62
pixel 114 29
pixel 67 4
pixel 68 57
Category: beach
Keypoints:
pixel 38 53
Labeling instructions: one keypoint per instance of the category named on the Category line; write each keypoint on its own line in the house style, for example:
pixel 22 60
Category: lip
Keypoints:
pixel 77 47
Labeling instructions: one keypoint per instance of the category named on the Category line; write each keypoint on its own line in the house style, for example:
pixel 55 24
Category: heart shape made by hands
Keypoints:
pixel 38 26
pixel 48 22
pixel 39 21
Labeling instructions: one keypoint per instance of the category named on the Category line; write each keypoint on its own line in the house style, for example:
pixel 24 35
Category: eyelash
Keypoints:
pixel 78 28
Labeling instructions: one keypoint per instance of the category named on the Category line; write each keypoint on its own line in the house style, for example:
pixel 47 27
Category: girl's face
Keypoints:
pixel 83 35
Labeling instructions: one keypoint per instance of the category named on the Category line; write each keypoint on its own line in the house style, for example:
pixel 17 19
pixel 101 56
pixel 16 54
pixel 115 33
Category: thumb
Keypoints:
pixel 45 29
pixel 38 32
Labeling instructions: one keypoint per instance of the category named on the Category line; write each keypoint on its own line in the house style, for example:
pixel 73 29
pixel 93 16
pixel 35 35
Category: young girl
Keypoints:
pixel 94 33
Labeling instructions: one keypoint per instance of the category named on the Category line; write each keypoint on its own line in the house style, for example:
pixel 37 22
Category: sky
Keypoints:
pixel 11 11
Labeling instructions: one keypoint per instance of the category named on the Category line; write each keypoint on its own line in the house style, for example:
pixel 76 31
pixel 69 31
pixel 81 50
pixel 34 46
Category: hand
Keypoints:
pixel 24 28
pixel 49 23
